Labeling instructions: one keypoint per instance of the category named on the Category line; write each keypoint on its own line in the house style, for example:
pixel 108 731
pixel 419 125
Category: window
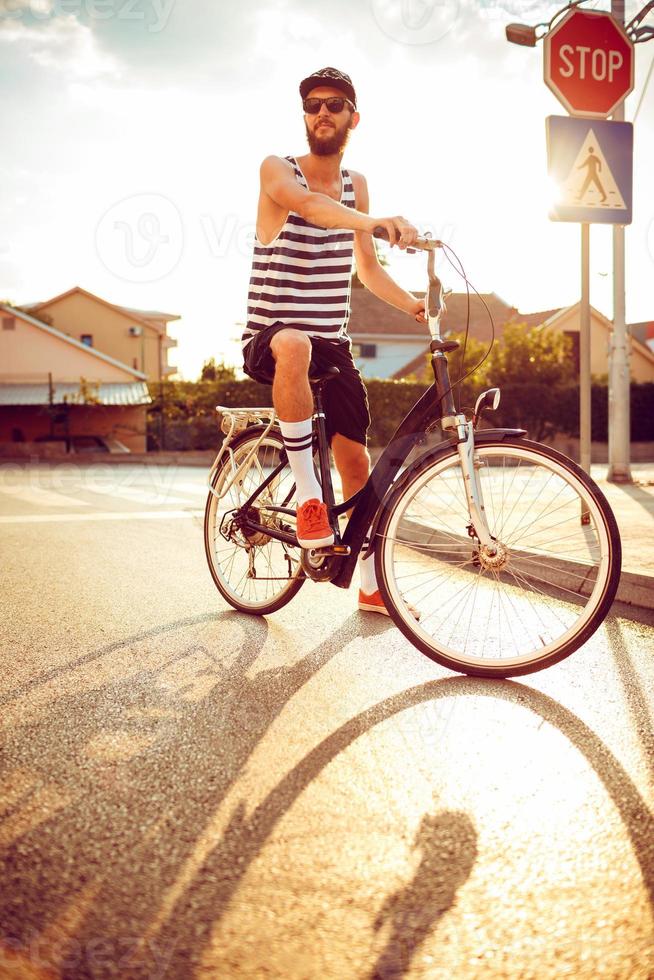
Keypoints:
pixel 364 350
pixel 87 338
pixel 8 323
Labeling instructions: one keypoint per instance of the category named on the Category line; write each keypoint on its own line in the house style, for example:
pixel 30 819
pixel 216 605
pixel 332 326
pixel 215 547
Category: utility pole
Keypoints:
pixel 584 350
pixel 619 347
pixel 584 362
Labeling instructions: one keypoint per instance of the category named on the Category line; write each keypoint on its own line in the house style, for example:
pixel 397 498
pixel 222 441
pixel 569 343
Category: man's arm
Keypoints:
pixel 279 183
pixel 373 276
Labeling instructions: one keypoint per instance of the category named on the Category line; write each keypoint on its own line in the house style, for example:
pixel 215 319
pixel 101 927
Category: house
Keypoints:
pixel 643 333
pixel 567 320
pixel 386 342
pixel 389 344
pixel 134 337
pixel 53 384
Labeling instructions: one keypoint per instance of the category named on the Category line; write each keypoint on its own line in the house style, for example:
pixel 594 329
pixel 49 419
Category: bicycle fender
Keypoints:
pixel 490 435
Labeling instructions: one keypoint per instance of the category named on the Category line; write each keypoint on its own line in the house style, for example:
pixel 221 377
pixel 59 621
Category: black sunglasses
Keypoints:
pixel 333 103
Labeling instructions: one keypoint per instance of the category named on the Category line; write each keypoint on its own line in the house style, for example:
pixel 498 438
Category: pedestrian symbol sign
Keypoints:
pixel 590 161
pixel 590 183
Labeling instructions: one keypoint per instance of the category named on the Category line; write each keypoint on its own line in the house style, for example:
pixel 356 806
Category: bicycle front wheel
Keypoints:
pixel 254 572
pixel 538 599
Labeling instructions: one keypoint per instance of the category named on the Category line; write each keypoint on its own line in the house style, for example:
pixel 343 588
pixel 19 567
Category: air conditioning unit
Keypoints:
pixel 135 331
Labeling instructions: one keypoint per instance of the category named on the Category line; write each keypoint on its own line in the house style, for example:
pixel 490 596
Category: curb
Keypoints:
pixel 634 588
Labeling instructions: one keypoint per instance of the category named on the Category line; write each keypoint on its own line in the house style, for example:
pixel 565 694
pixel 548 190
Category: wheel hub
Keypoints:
pixel 494 559
pixel 254 515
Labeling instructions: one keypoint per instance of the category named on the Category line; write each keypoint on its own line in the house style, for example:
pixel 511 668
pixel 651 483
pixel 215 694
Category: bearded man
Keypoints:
pixel 312 222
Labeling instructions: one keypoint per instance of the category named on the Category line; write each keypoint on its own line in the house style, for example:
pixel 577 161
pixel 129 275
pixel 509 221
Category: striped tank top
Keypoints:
pixel 303 277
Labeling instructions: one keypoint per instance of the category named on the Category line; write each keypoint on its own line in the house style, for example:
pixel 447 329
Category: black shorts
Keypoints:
pixel 344 398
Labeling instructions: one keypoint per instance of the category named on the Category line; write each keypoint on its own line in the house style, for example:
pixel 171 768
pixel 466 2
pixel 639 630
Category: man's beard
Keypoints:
pixel 328 146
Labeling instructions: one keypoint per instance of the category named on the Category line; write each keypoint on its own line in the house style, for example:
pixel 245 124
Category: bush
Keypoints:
pixel 642 412
pixel 183 414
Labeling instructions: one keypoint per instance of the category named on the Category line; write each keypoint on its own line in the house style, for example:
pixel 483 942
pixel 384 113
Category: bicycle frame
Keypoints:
pixel 435 405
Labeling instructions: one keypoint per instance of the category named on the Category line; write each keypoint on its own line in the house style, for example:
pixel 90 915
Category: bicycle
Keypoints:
pixel 507 549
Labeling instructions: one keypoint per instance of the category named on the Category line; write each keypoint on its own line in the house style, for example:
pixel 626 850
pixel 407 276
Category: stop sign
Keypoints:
pixel 589 63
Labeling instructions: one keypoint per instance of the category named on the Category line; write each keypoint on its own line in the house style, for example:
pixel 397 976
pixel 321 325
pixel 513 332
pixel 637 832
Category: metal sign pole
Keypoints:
pixel 584 359
pixel 619 379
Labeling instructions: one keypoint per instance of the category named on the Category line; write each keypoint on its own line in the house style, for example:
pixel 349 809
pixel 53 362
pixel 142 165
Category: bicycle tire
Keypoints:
pixel 225 578
pixel 536 559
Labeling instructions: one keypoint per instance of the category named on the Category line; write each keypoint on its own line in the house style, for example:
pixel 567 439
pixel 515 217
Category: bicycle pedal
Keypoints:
pixel 332 549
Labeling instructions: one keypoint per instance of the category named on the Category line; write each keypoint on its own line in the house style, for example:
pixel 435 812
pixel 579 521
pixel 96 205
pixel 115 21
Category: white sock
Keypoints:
pixel 367 575
pixel 297 438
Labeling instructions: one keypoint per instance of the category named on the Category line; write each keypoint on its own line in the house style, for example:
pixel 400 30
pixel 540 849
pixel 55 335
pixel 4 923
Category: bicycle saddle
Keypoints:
pixel 326 375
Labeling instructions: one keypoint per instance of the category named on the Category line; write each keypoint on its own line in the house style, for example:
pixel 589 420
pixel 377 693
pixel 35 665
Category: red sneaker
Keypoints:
pixel 375 603
pixel 372 603
pixel 313 530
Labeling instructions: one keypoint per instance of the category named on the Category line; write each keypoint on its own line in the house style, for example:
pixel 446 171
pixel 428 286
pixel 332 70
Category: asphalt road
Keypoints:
pixel 189 792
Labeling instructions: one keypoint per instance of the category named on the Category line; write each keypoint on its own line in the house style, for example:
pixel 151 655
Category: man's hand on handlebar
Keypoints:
pixel 418 311
pixel 398 230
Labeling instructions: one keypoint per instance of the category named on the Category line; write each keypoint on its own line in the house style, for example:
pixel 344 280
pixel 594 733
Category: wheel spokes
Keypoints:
pixel 254 569
pixel 549 567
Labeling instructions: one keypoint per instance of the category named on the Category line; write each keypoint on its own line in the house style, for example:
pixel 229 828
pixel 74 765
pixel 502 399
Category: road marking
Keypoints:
pixel 143 515
pixel 140 495
pixel 187 487
pixel 42 497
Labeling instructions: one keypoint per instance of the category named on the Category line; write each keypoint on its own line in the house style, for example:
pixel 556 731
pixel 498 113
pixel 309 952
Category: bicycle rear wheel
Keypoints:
pixel 255 573
pixel 539 599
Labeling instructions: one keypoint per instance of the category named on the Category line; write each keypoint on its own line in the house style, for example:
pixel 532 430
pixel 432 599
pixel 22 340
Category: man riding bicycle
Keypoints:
pixel 312 221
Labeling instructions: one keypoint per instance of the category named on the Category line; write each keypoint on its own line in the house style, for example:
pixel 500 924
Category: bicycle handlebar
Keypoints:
pixel 421 243
pixel 434 294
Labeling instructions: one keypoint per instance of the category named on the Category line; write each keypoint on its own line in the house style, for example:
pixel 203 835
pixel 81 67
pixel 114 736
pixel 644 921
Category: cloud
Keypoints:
pixel 61 44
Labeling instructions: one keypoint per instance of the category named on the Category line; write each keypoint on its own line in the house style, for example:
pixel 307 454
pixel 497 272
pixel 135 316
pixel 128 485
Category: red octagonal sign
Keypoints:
pixel 589 63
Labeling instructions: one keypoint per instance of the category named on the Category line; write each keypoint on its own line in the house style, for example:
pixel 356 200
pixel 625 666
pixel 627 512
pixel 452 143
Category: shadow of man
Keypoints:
pixel 132 825
pixel 448 848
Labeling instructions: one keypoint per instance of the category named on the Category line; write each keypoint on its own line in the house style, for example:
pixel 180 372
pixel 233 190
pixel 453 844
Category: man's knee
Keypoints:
pixel 291 348
pixel 351 457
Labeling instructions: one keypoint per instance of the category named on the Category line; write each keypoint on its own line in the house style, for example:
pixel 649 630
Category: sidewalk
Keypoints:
pixel 633 506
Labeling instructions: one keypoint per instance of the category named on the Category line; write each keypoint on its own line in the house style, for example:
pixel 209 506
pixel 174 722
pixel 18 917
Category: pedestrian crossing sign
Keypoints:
pixel 590 162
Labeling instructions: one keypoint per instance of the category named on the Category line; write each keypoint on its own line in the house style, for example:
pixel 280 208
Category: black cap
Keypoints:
pixel 329 76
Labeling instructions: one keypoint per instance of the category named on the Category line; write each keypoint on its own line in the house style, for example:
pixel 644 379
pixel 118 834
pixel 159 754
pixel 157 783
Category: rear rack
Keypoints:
pixel 234 421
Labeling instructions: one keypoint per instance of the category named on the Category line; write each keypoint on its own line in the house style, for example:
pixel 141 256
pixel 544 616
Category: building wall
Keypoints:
pixel 79 314
pixel 641 366
pixel 391 355
pixel 126 423
pixel 28 353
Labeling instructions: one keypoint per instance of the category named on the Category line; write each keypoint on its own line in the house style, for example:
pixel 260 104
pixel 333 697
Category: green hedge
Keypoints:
pixel 183 414
pixel 546 411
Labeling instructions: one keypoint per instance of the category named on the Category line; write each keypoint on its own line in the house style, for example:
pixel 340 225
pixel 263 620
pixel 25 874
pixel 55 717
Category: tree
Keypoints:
pixel 216 372
pixel 474 352
pixel 88 394
pixel 536 354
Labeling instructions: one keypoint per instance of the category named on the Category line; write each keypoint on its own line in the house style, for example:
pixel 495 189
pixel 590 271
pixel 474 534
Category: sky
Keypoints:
pixel 134 131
